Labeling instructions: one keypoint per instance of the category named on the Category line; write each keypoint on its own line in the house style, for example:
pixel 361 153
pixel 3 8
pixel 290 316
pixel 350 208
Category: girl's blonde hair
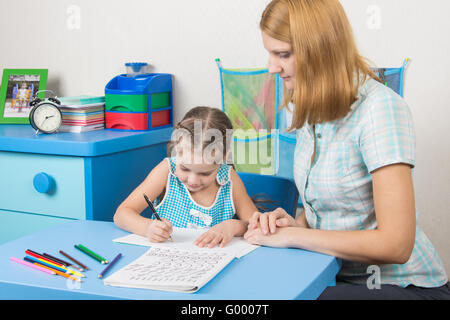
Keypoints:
pixel 329 67
pixel 203 128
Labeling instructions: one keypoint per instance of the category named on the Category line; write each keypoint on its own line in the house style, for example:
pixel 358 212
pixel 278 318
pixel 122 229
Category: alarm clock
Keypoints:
pixel 45 115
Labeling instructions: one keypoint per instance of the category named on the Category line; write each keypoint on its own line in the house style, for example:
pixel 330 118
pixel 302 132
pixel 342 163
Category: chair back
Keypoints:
pixel 273 191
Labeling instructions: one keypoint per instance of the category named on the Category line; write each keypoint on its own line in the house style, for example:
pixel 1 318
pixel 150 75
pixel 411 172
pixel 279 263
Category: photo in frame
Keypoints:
pixel 18 89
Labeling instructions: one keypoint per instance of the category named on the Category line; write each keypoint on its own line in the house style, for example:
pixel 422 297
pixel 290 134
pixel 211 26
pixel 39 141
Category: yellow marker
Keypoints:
pixel 60 273
pixel 61 267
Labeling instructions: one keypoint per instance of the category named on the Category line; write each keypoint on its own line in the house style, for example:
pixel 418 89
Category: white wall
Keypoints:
pixel 85 43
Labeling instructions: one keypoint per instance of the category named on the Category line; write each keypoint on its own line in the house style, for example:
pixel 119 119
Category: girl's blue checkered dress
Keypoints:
pixel 182 211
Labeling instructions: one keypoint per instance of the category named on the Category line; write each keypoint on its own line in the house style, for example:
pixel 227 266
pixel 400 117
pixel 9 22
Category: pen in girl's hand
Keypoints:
pixel 150 204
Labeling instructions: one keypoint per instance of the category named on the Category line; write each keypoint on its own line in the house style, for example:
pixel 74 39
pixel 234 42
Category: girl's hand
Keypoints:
pixel 220 234
pixel 269 221
pixel 159 231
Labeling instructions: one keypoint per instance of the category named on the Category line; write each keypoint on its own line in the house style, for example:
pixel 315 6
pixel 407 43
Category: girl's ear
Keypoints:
pixel 229 145
pixel 229 156
pixel 172 149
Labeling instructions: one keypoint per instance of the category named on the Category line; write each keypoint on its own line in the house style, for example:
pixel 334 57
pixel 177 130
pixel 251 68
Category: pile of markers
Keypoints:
pixel 56 266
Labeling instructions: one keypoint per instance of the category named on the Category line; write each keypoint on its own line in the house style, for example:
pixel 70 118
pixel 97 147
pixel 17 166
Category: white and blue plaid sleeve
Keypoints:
pixel 388 135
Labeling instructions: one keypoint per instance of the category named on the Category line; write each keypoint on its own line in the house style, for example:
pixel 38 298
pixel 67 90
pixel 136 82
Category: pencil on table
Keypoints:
pixel 109 265
pixel 65 275
pixel 52 265
pixel 40 256
pixel 91 254
pixel 67 264
pixel 32 265
pixel 51 262
pixel 40 266
pixel 74 260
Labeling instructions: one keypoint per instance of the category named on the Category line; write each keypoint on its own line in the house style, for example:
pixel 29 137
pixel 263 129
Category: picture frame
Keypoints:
pixel 18 89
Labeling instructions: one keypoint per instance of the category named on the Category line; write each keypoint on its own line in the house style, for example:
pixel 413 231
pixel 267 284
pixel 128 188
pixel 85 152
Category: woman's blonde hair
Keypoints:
pixel 329 67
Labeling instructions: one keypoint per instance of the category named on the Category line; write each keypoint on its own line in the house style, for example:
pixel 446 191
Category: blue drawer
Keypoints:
pixel 18 193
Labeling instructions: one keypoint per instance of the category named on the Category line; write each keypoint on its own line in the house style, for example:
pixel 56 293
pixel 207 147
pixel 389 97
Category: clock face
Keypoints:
pixel 47 117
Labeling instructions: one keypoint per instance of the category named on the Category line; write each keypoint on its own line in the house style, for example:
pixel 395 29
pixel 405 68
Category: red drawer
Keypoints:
pixel 126 121
pixel 160 118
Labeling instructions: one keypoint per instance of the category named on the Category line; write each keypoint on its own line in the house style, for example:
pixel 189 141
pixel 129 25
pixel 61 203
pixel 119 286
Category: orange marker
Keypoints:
pixel 59 272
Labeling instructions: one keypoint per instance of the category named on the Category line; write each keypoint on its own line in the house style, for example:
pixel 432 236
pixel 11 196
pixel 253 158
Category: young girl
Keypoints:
pixel 193 189
pixel 22 96
pixel 352 163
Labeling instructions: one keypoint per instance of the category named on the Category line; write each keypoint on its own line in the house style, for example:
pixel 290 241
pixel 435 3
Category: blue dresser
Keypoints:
pixel 49 179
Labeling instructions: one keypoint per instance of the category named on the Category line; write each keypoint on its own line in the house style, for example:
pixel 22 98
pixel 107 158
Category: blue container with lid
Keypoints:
pixel 137 95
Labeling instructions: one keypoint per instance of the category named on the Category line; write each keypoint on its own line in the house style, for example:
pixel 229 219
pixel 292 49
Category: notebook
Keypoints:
pixel 172 269
pixel 185 237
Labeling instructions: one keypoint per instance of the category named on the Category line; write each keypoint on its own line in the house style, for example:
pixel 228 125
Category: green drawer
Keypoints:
pixel 126 102
pixel 15 224
pixel 135 102
pixel 160 100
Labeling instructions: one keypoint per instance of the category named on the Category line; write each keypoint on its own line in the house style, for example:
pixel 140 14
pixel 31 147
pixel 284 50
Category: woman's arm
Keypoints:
pixel 128 214
pixel 391 242
pixel 301 219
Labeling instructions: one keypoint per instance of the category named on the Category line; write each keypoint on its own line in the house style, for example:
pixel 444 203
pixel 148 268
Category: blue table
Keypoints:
pixel 264 274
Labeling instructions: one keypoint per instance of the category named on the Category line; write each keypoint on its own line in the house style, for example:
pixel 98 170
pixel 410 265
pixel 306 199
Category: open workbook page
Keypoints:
pixel 185 237
pixel 172 269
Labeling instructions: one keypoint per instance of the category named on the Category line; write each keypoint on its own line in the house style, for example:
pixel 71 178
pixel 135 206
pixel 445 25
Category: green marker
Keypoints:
pixel 91 254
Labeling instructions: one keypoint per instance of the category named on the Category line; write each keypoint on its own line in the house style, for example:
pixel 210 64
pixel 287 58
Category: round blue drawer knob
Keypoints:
pixel 43 183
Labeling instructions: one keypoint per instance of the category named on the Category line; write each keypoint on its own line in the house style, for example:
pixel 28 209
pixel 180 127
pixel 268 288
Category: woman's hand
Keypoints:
pixel 269 221
pixel 279 239
pixel 159 231
pixel 220 234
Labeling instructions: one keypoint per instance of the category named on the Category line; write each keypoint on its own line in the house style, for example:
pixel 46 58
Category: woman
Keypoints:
pixel 352 165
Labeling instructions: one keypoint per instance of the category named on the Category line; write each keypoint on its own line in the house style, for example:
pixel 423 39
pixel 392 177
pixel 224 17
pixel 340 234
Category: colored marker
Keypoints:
pixel 65 275
pixel 83 267
pixel 52 265
pixel 31 265
pixel 67 264
pixel 91 254
pixel 40 256
pixel 109 265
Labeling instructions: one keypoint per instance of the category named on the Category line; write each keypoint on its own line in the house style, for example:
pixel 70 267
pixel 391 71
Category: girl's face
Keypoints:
pixel 281 60
pixel 196 177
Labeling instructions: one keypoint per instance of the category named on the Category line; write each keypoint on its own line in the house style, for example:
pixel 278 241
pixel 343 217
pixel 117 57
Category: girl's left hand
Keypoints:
pixel 220 234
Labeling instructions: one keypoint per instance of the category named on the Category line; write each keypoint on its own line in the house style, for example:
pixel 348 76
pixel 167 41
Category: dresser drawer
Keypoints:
pixel 14 225
pixel 21 188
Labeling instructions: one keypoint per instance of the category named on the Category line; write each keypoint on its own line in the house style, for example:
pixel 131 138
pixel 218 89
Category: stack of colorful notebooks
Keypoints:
pixel 82 113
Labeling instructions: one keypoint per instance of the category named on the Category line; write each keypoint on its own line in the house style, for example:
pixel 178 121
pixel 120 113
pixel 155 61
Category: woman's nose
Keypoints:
pixel 274 66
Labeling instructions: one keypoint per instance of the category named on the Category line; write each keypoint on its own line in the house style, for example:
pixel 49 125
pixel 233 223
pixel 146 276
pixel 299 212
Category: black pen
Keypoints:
pixel 150 204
